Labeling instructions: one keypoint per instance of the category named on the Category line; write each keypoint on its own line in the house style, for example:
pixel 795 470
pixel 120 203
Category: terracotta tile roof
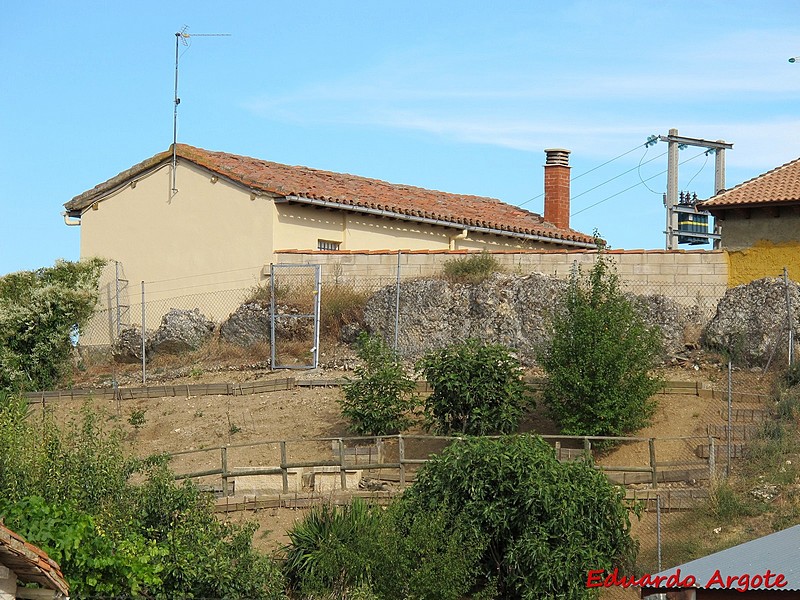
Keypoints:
pixel 29 563
pixel 350 192
pixel 776 187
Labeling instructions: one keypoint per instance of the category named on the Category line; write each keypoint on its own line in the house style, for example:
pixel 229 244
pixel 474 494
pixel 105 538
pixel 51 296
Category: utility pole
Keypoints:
pixel 675 143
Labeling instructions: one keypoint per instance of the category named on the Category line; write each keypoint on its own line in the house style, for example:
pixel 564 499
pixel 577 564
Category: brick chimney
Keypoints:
pixel 556 187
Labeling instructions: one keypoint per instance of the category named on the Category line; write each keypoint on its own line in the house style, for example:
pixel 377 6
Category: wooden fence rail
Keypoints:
pixel 534 384
pixel 654 472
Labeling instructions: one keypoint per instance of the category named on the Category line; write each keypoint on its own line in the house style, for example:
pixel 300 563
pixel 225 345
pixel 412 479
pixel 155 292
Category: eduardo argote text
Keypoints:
pixel 599 578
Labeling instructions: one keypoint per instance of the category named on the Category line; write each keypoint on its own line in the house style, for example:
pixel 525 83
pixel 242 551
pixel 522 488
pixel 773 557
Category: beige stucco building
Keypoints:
pixel 759 222
pixel 209 215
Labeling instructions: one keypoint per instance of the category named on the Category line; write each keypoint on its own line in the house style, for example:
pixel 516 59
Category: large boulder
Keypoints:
pixel 248 325
pixel 181 331
pixel 511 310
pixel 750 322
pixel 516 311
pixel 127 347
pixel 673 319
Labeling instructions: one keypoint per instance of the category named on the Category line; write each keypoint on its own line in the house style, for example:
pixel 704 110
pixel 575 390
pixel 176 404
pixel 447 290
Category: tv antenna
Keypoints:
pixel 182 37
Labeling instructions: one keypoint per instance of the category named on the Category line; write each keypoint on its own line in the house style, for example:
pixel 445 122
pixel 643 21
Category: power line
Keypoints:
pixel 633 186
pixel 618 176
pixel 590 170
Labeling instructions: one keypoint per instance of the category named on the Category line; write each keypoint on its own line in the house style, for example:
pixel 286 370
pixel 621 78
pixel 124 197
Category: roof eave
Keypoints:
pixel 440 222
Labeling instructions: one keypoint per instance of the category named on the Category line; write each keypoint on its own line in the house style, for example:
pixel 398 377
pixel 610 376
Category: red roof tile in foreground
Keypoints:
pixel 29 563
pixel 776 187
pixel 350 192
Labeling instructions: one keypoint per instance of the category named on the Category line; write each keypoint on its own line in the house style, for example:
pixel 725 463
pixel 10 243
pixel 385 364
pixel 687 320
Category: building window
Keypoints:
pixel 327 245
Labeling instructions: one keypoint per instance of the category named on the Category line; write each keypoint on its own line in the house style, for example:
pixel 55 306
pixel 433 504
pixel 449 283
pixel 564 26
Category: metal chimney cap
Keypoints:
pixel 557 156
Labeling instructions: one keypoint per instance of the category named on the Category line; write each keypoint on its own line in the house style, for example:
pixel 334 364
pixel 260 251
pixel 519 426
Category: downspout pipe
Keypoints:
pixel 67 221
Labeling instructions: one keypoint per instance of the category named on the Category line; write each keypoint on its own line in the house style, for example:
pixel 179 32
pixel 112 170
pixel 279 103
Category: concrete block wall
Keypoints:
pixel 694 277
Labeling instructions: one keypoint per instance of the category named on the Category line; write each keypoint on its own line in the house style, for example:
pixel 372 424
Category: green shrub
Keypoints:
pixel 545 523
pixel 39 311
pixel 471 269
pixel 599 361
pixel 326 551
pixel 67 488
pixel 361 551
pixel 477 389
pixel 378 401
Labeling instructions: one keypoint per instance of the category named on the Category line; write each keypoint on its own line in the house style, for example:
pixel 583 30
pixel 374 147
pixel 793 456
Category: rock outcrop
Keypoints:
pixel 750 323
pixel 181 331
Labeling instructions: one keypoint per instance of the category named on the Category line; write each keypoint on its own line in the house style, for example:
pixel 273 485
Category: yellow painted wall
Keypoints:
pixel 157 235
pixel 300 227
pixel 763 259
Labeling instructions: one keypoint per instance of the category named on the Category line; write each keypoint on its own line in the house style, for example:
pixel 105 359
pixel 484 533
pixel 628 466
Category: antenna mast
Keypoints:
pixel 182 37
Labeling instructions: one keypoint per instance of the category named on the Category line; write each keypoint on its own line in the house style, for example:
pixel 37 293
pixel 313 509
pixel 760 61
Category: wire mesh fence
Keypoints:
pixel 414 314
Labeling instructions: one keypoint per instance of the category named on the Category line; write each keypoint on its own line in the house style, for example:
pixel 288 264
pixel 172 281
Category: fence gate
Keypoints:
pixel 294 323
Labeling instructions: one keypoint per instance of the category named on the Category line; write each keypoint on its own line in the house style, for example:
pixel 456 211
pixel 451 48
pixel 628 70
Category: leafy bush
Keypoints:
pixel 68 490
pixel 39 310
pixel 545 523
pixel 326 554
pixel 378 401
pixel 477 389
pixel 471 269
pixel 598 364
pixel 362 551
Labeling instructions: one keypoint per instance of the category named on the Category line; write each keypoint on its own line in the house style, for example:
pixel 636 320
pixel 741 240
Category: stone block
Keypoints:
pixel 329 479
pixel 263 485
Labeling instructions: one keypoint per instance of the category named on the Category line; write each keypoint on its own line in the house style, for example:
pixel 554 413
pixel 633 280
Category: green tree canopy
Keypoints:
pixel 599 363
pixel 547 523
pixel 39 310
pixel 477 389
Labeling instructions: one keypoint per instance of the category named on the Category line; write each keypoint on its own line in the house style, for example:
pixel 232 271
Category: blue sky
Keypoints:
pixel 457 96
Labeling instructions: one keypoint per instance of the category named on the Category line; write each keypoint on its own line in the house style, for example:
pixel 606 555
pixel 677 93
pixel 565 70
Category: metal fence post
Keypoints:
pixel 658 529
pixel 144 329
pixel 789 320
pixel 116 297
pixel 729 433
pixel 712 460
pixel 397 303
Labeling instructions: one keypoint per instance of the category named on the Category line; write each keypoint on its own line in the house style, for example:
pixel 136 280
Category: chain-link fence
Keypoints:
pixel 414 314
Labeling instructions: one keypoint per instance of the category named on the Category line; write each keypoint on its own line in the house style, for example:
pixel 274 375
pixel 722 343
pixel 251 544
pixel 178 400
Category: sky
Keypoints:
pixel 461 96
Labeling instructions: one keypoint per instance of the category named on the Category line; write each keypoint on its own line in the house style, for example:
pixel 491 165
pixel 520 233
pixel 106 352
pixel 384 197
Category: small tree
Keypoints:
pixel 39 310
pixel 547 523
pixel 598 364
pixel 379 400
pixel 477 389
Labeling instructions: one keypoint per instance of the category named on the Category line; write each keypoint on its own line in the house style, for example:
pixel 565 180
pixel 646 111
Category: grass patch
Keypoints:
pixel 471 269
pixel 341 305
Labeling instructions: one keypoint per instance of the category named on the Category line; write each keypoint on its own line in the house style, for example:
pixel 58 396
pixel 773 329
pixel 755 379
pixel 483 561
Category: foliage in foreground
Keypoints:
pixel 365 551
pixel 67 489
pixel 599 362
pixel 378 401
pixel 477 389
pixel 546 523
pixel 488 518
pixel 39 310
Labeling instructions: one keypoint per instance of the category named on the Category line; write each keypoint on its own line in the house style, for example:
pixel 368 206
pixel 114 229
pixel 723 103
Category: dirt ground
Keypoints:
pixel 203 424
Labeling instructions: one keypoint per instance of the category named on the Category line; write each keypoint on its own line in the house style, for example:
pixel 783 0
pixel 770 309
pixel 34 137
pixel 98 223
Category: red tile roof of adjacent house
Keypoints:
pixel 339 190
pixel 29 563
pixel 776 187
